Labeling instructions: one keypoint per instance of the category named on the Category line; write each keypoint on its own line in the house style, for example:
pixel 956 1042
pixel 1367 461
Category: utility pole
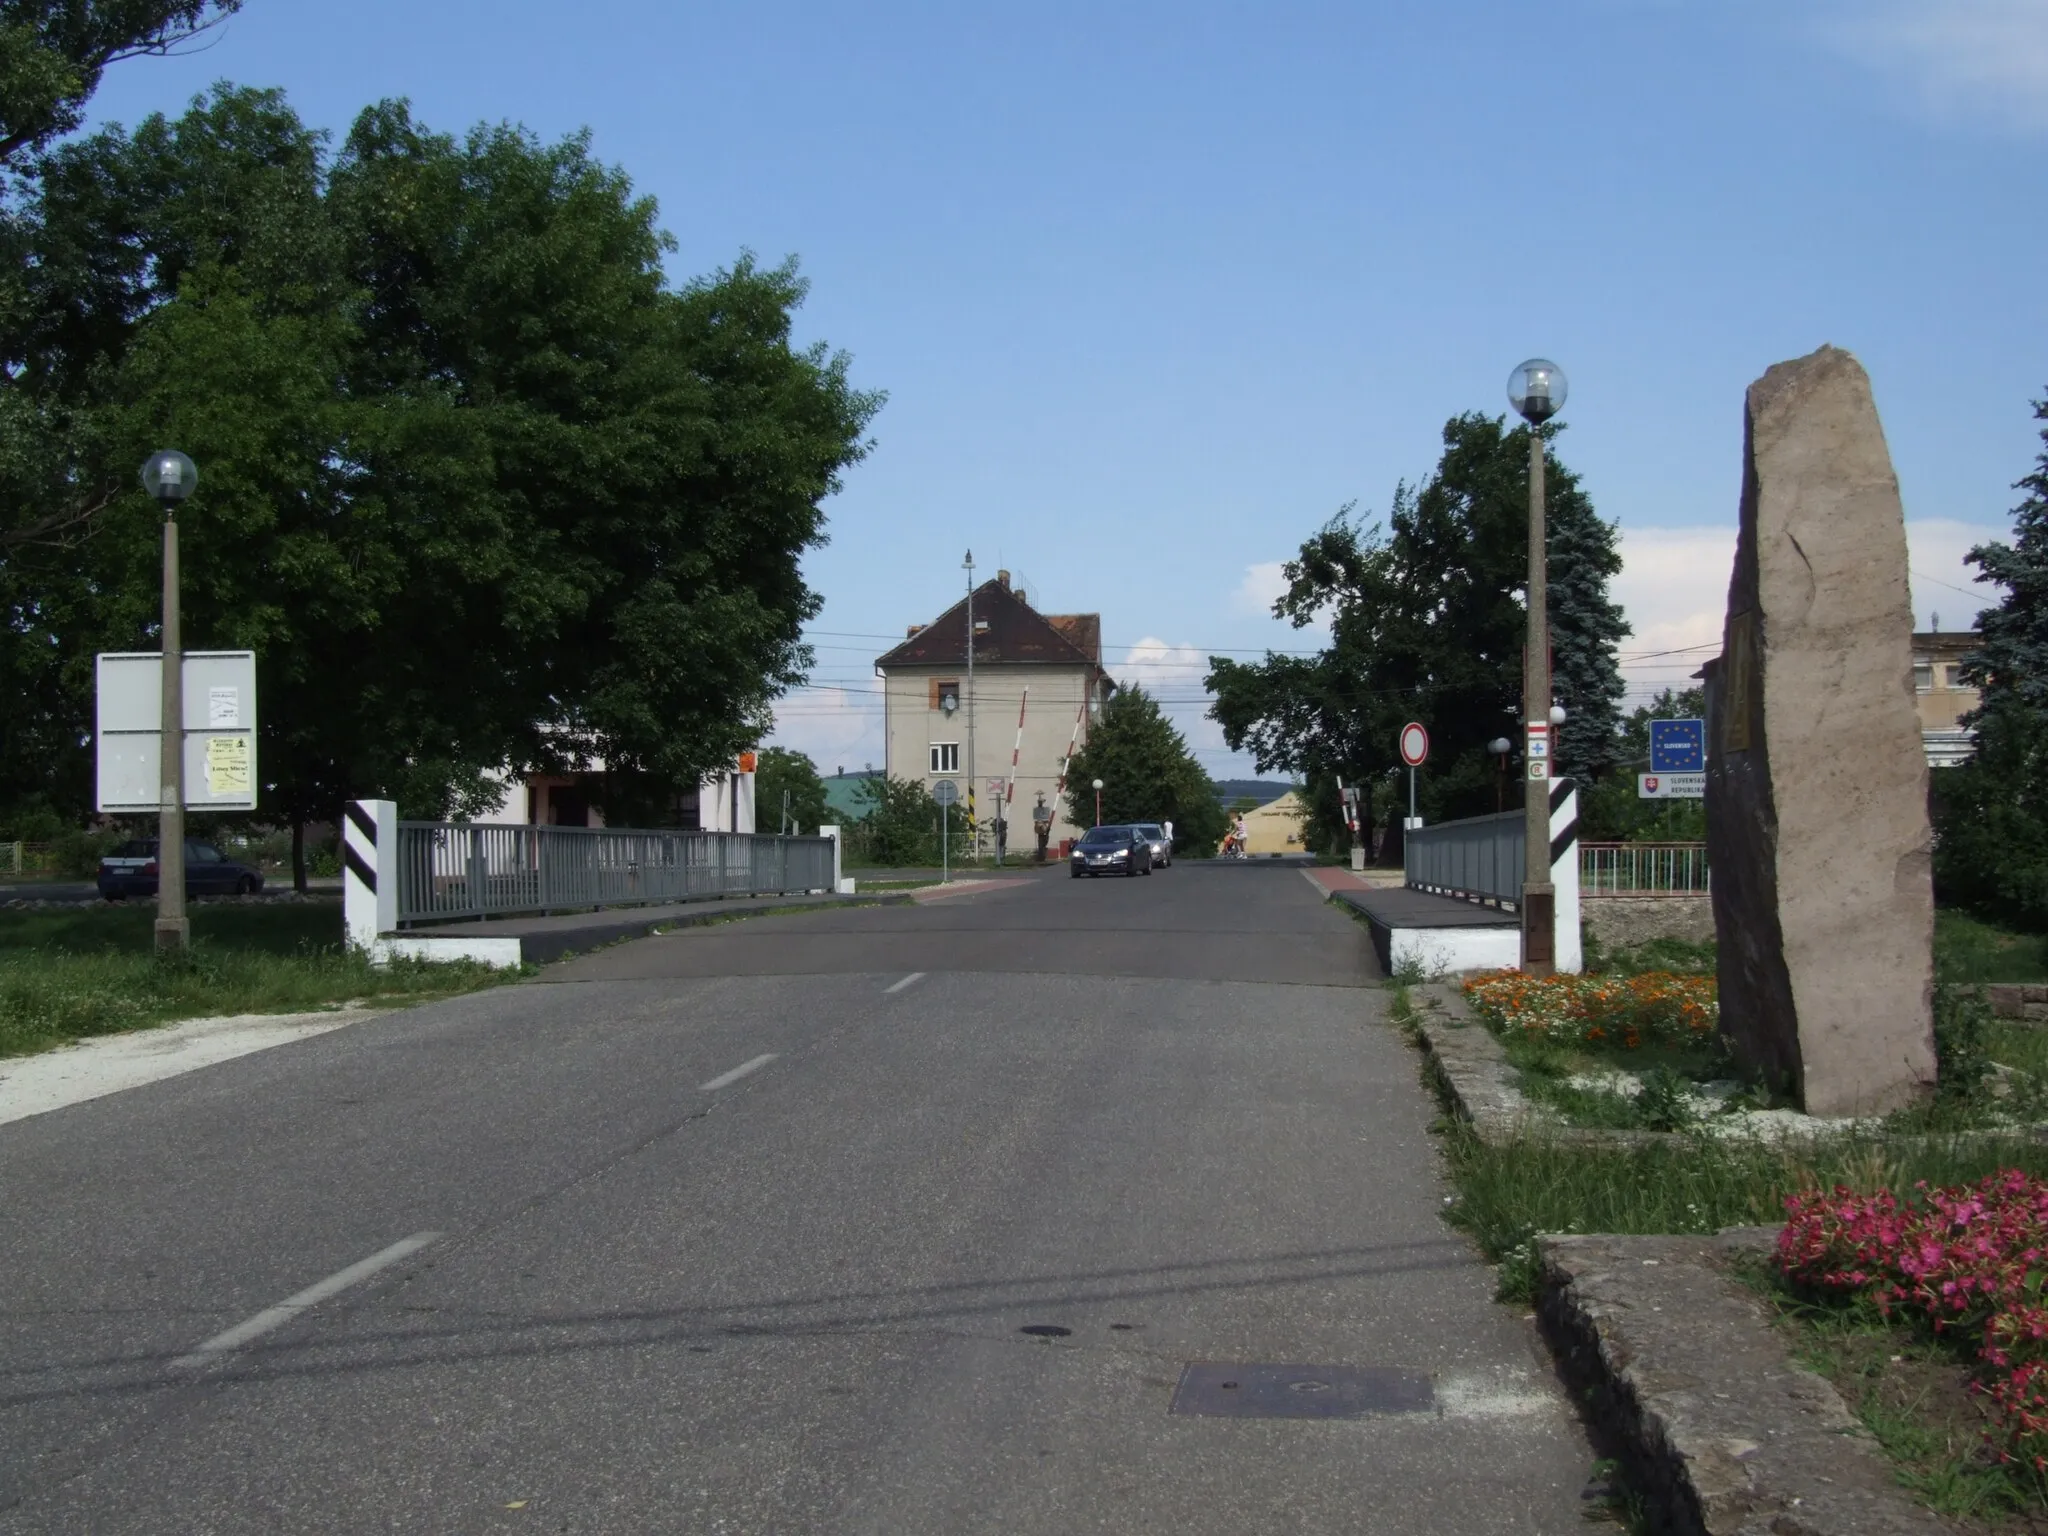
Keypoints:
pixel 170 477
pixel 1537 392
pixel 973 824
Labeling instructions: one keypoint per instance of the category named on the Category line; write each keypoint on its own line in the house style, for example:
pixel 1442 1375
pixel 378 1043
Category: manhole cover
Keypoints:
pixel 1300 1391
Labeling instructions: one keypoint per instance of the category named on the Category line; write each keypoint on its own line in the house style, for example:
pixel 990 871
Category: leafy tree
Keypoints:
pixel 1427 623
pixel 1991 822
pixel 53 52
pixel 1611 809
pixel 1147 772
pixel 478 485
pixel 900 826
pixel 780 771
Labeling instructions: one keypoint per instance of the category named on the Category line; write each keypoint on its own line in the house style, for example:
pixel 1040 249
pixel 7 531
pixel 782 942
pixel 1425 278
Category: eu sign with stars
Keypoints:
pixel 1678 746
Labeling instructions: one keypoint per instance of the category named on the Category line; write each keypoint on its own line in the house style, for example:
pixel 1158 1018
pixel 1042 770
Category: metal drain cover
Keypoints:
pixel 1300 1391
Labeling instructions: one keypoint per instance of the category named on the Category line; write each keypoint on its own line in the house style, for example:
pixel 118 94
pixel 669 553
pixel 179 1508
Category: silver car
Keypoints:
pixel 1162 845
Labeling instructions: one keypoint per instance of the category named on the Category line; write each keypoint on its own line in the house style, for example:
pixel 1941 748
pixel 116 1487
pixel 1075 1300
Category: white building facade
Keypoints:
pixel 1046 668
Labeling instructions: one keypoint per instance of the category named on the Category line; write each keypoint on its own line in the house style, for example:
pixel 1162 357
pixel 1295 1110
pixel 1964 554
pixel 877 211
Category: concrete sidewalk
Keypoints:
pixel 542 939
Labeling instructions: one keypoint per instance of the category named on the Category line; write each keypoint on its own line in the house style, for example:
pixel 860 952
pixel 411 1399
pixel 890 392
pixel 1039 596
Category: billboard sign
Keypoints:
pixel 220 730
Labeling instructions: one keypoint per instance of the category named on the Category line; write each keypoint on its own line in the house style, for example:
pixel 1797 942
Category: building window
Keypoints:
pixel 945 757
pixel 945 693
pixel 1923 677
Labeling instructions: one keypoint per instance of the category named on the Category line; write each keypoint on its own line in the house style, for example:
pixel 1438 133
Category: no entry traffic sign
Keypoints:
pixel 1414 745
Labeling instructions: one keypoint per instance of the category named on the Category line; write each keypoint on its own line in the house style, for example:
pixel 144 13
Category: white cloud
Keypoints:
pixel 1173 675
pixel 835 727
pixel 1983 57
pixel 1673 587
pixel 1263 586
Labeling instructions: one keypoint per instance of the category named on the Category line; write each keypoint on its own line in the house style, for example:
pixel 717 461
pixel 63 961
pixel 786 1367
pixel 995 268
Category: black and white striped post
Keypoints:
pixel 1568 953
pixel 369 871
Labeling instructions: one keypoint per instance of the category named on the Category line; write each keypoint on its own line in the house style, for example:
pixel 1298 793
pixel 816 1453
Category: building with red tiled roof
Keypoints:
pixel 1048 665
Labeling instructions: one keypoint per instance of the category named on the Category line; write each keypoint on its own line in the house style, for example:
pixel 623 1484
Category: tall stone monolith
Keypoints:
pixel 1817 828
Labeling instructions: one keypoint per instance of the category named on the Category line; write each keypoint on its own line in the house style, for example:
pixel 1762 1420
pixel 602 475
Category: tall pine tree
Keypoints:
pixel 1147 772
pixel 2011 665
pixel 1991 814
pixel 1427 623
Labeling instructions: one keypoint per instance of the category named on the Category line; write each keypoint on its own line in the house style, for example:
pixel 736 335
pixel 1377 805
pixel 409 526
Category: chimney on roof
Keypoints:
pixel 1003 580
pixel 1019 595
pixel 913 632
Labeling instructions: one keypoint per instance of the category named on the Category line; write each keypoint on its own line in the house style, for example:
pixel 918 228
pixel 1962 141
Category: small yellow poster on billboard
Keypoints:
pixel 227 765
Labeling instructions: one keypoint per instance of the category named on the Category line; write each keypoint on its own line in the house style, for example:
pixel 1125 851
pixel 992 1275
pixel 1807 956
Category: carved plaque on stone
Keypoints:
pixel 1816 802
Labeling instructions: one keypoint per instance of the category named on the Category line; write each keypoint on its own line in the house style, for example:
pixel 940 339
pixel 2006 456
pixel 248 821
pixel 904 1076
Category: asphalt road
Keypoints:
pixel 742 1229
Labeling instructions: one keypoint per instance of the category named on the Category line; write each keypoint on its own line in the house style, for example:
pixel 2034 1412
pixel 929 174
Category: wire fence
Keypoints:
pixel 31 859
pixel 1643 869
pixel 457 869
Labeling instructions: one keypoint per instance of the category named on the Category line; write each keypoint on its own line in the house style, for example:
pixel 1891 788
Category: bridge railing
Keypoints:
pixel 1478 859
pixel 1643 869
pixel 462 869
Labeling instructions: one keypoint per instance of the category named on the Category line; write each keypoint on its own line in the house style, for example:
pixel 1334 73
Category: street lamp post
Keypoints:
pixel 973 825
pixel 1098 802
pixel 1499 747
pixel 170 477
pixel 1537 392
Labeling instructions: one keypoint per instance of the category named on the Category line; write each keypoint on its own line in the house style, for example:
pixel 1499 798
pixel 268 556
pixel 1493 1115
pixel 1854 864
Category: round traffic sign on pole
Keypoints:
pixel 1414 745
pixel 946 792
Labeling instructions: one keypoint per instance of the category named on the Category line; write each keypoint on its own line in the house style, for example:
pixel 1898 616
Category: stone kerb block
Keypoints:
pixel 1816 794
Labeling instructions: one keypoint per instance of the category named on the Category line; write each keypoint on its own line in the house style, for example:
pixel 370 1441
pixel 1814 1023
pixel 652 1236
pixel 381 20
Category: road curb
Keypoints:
pixel 1727 1435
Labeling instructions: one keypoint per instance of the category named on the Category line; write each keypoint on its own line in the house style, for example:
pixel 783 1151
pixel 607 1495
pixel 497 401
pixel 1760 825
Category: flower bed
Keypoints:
pixel 1600 1012
pixel 1971 1261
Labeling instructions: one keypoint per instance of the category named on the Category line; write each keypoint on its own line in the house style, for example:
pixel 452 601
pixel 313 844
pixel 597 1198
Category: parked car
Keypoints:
pixel 1111 851
pixel 1162 845
pixel 131 870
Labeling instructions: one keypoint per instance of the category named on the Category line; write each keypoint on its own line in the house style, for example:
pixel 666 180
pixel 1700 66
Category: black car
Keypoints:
pixel 1111 851
pixel 131 870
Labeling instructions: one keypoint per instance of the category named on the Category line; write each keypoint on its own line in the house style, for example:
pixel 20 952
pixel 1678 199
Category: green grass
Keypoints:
pixel 2021 1046
pixel 69 973
pixel 1910 1388
pixel 1546 1069
pixel 1508 1193
pixel 1681 956
pixel 278 928
pixel 1967 949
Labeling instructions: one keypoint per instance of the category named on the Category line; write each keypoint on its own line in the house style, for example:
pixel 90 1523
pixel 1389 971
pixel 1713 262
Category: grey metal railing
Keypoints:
pixel 1643 869
pixel 1479 858
pixel 460 869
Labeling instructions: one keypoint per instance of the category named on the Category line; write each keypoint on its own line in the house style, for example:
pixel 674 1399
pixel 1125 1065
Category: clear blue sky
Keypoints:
pixel 1155 288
